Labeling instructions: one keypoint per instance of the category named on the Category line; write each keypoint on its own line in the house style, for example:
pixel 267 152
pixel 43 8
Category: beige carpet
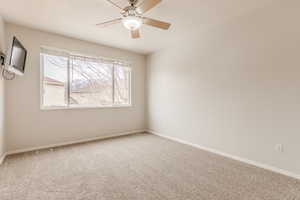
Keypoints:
pixel 138 167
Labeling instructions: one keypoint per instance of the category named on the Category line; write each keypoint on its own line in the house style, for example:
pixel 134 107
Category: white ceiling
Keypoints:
pixel 77 18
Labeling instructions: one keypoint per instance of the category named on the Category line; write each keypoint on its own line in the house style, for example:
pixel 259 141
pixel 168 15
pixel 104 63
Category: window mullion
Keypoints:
pixel 42 80
pixel 68 80
pixel 113 84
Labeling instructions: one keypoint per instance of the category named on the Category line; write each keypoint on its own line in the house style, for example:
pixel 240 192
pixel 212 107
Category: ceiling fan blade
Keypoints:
pixel 114 4
pixel 156 23
pixel 147 5
pixel 111 22
pixel 135 34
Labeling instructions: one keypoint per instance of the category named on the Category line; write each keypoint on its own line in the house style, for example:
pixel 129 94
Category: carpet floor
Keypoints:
pixel 138 167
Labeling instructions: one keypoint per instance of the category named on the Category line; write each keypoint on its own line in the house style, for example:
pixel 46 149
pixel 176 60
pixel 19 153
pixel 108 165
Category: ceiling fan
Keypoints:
pixel 132 17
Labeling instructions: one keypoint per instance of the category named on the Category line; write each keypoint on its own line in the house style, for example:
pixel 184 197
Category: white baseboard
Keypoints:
pixel 244 160
pixel 101 137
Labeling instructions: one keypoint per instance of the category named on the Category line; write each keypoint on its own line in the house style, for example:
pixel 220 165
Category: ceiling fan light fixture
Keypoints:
pixel 132 22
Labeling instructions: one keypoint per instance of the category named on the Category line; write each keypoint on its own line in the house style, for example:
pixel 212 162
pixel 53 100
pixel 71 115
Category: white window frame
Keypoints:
pixel 67 107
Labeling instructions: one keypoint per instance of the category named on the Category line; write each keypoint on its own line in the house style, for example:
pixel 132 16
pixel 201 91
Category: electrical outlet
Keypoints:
pixel 279 148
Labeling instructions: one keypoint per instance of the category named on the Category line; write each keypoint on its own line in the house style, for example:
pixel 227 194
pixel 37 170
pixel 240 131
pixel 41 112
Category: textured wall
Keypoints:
pixel 235 89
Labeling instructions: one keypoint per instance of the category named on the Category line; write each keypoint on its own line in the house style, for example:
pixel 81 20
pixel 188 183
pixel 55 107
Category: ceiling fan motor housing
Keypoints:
pixel 130 11
pixel 132 2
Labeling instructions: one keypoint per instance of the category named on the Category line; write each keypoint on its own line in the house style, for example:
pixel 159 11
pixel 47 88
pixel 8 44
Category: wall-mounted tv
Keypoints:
pixel 17 59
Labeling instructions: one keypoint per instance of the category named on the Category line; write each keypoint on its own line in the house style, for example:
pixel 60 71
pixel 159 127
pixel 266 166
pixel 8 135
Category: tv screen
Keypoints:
pixel 17 57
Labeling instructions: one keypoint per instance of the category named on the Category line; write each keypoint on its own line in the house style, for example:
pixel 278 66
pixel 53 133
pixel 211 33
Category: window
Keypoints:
pixel 70 81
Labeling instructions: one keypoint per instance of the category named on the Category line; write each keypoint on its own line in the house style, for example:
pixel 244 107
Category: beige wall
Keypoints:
pixel 2 48
pixel 235 89
pixel 28 126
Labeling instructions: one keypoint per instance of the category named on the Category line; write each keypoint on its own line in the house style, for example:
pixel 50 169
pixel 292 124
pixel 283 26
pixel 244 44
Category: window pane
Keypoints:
pixel 91 82
pixel 122 85
pixel 54 80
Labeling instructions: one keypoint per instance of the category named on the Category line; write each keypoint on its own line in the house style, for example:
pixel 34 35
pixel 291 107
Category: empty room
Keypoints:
pixel 149 100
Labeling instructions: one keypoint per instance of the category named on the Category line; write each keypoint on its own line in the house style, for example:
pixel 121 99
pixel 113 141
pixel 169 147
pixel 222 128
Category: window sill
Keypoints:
pixel 45 108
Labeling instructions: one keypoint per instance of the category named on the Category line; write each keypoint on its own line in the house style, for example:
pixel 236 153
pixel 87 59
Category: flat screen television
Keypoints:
pixel 18 54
